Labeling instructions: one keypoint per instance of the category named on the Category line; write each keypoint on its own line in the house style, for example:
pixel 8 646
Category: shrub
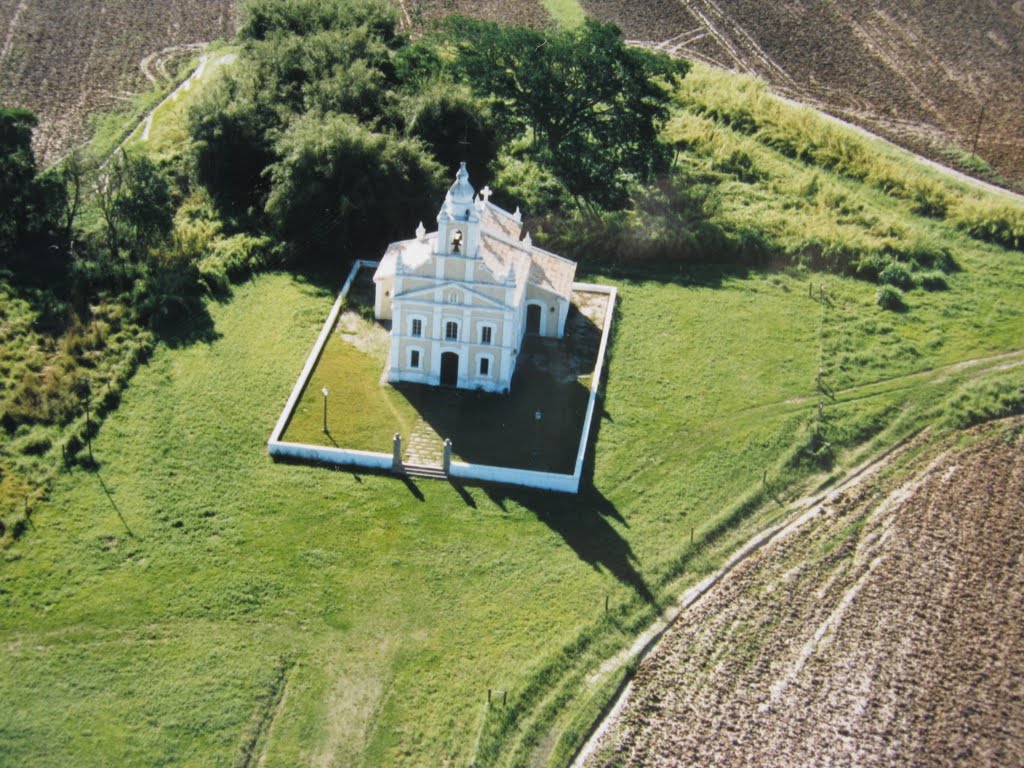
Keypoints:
pixel 929 199
pixel 985 401
pixel 993 223
pixel 890 297
pixel 896 274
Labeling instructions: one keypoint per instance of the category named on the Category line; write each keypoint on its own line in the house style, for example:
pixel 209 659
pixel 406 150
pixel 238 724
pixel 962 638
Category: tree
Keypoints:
pixel 17 173
pixel 134 201
pixel 456 125
pixel 30 205
pixel 594 107
pixel 338 186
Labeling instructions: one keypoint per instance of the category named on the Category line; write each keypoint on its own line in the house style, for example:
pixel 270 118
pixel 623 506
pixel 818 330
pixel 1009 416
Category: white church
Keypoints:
pixel 461 299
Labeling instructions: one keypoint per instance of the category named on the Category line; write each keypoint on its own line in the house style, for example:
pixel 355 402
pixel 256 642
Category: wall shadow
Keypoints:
pixel 583 523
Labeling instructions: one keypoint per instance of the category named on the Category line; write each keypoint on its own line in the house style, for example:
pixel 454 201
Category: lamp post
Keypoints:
pixel 537 416
pixel 325 393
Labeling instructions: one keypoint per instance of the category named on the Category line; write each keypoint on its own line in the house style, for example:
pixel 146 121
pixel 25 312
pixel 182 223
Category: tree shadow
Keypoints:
pixel 192 325
pixel 583 523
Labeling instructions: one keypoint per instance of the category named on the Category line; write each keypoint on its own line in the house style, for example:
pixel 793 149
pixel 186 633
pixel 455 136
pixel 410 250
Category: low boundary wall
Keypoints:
pixel 321 453
pixel 552 481
pixel 529 478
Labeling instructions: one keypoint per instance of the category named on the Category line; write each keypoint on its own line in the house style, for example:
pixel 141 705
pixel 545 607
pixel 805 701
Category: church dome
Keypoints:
pixel 461 191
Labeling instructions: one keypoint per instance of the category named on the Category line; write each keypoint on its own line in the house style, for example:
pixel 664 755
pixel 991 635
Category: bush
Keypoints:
pixel 897 275
pixel 993 223
pixel 890 297
pixel 985 401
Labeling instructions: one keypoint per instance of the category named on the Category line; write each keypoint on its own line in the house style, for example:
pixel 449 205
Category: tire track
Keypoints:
pixel 11 29
pixel 886 631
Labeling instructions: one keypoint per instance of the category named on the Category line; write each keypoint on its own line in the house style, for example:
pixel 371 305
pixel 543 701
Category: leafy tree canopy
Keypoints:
pixel 30 205
pixel 594 106
pixel 338 184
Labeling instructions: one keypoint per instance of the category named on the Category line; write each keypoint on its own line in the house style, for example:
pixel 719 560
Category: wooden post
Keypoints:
pixel 488 695
pixel 606 603
pixel 977 130
pixel 764 478
pixel 88 429
pixel 691 535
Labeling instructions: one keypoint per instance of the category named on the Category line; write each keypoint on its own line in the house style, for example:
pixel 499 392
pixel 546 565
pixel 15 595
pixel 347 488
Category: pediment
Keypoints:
pixel 451 285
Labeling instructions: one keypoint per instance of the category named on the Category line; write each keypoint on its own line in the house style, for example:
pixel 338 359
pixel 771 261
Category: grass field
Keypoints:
pixel 191 600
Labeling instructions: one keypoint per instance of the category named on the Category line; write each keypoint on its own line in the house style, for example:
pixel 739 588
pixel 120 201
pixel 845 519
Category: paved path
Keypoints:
pixel 425 447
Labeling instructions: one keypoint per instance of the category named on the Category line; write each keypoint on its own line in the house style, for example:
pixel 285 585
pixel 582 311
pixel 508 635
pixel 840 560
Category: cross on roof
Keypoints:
pixel 486 193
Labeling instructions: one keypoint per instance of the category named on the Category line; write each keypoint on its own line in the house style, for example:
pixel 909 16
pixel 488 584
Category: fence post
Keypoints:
pixel 396 452
pixel 447 455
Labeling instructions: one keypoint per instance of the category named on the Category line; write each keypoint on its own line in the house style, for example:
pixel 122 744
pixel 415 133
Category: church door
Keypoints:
pixel 449 369
pixel 533 319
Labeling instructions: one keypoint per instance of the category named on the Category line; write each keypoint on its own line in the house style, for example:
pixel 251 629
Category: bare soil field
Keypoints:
pixel 886 629
pixel 529 13
pixel 66 60
pixel 926 75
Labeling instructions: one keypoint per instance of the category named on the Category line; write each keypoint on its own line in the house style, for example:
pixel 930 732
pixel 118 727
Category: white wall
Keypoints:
pixel 550 481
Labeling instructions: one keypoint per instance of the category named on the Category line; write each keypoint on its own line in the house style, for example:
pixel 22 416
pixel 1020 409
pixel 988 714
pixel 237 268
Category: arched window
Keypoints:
pixel 451 331
pixel 457 241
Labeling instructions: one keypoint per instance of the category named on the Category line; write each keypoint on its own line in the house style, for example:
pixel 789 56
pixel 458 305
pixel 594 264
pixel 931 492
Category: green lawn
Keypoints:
pixel 192 600
pixel 363 413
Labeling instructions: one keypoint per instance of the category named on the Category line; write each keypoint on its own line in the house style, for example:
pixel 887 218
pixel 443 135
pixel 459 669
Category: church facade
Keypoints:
pixel 462 298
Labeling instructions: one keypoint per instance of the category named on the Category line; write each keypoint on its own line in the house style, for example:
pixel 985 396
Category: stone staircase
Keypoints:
pixel 419 470
pixel 424 450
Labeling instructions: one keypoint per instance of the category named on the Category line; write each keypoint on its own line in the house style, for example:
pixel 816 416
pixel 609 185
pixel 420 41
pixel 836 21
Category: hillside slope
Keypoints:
pixel 925 75
pixel 886 630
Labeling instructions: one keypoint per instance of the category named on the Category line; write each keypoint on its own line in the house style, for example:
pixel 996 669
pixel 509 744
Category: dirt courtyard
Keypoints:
pixel 887 630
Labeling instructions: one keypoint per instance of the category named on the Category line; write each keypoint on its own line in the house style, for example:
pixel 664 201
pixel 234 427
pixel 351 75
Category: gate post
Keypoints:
pixel 447 455
pixel 396 452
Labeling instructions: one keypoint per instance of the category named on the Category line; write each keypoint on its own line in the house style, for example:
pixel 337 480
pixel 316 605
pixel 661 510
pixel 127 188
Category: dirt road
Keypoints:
pixel 886 630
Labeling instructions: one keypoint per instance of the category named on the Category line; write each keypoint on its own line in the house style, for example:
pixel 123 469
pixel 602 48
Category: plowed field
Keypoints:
pixel 65 60
pixel 887 629
pixel 924 74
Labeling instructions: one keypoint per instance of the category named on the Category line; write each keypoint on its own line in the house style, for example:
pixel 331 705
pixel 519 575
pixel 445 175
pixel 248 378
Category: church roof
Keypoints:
pixel 552 272
pixel 496 218
pixel 500 246
pixel 414 253
pixel 461 191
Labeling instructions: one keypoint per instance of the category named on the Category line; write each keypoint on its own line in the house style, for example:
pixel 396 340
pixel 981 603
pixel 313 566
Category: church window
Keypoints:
pixel 485 366
pixel 453 297
pixel 485 334
pixel 451 331
pixel 417 327
pixel 414 358
pixel 457 241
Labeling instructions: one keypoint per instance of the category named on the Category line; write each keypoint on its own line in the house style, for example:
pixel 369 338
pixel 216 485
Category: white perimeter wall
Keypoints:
pixel 550 481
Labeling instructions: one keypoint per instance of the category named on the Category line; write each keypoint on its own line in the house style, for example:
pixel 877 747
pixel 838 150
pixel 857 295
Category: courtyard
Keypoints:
pixel 536 426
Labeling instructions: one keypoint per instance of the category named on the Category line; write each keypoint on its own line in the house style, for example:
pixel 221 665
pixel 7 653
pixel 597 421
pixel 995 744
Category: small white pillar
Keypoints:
pixel 396 452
